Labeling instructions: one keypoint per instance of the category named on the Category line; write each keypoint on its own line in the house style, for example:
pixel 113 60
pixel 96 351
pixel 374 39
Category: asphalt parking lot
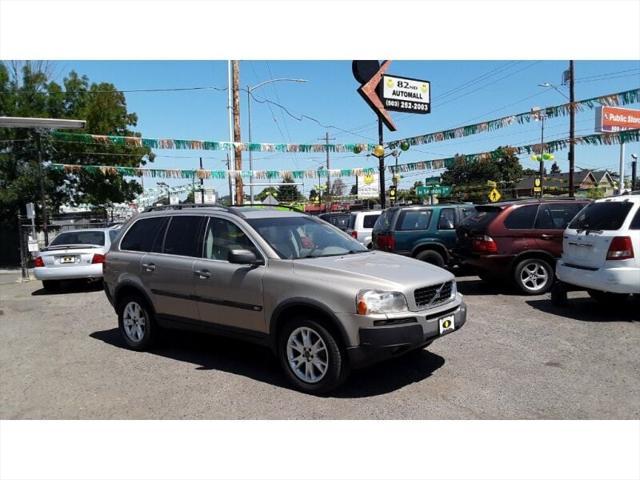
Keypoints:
pixel 516 358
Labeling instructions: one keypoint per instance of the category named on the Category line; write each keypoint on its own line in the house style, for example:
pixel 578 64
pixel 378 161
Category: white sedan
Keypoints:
pixel 74 254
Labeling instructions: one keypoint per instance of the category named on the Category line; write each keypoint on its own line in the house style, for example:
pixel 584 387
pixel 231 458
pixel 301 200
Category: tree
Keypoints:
pixel 555 169
pixel 288 193
pixel 26 90
pixel 354 190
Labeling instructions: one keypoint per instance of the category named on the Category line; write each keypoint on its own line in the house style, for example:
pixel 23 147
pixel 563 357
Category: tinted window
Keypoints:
pixel 467 212
pixel 91 237
pixel 184 236
pixel 369 220
pixel 414 220
pixel 480 218
pixel 447 219
pixel 556 215
pixel 521 217
pixel 384 220
pixel 141 235
pixel 635 223
pixel 602 216
pixel 352 220
pixel 222 236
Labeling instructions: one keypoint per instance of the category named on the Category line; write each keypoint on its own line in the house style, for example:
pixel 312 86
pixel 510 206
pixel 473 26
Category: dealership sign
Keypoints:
pixel 615 119
pixel 401 94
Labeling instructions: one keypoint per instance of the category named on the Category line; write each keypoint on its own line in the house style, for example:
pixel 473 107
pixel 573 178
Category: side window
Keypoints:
pixel 222 236
pixel 142 234
pixel 414 220
pixel 447 219
pixel 467 212
pixel 635 223
pixel 369 221
pixel 184 236
pixel 556 215
pixel 521 218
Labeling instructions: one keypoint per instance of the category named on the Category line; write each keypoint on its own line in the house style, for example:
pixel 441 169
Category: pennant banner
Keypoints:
pixel 172 144
pixel 621 98
pixel 211 174
pixel 552 146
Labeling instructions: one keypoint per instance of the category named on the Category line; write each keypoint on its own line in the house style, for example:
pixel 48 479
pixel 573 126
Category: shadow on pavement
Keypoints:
pixel 589 310
pixel 71 286
pixel 210 352
pixel 476 286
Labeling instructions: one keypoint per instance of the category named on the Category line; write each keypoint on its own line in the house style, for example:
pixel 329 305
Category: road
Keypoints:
pixel 516 358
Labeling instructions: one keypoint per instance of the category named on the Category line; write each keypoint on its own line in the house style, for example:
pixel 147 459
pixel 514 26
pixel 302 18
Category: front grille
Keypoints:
pixel 434 295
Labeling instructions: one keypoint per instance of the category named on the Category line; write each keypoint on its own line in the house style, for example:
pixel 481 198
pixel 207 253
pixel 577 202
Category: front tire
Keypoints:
pixel 136 322
pixel 311 357
pixel 534 276
pixel 432 257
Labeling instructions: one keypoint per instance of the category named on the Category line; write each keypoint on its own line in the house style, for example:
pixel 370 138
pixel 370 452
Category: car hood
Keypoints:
pixel 377 268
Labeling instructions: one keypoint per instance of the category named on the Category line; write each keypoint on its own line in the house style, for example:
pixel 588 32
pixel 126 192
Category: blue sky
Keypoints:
pixel 463 92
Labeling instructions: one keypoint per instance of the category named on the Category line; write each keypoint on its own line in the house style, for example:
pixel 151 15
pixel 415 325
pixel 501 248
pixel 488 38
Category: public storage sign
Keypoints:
pixel 615 119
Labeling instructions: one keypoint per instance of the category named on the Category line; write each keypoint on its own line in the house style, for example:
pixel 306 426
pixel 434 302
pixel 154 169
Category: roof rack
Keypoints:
pixel 182 206
pixel 279 205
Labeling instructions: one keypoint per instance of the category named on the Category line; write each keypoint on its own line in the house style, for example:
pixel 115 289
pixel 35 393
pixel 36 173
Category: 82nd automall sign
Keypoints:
pixel 401 94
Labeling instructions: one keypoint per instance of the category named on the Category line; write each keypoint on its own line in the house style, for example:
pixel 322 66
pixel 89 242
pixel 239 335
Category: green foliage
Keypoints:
pixel 288 193
pixel 595 193
pixel 26 90
pixel 555 169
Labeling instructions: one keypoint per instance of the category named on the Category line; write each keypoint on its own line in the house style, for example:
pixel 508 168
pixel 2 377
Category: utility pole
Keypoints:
pixel 236 130
pixel 230 118
pixel 572 129
pixel 201 184
pixel 542 114
pixel 383 197
pixel 326 142
pixel 634 163
pixel 43 200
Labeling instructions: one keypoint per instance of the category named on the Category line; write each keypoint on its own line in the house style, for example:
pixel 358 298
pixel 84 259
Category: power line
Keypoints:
pixel 138 90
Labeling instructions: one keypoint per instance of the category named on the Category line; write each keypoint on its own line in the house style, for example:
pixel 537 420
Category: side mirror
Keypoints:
pixel 243 257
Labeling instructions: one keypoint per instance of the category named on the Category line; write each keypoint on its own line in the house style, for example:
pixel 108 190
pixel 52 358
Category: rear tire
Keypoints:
pixel 51 285
pixel 136 322
pixel 432 257
pixel 311 357
pixel 534 276
pixel 559 295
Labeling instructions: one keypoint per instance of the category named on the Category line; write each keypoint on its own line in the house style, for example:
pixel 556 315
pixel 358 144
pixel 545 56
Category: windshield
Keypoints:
pixel 601 216
pixel 90 237
pixel 304 237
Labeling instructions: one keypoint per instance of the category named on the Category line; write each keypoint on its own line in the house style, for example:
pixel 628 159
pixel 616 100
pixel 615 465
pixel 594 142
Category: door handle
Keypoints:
pixel 149 267
pixel 202 273
pixel 546 236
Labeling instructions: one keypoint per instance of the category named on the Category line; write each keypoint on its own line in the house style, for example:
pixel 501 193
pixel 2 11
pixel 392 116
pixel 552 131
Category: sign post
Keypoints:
pixel 616 119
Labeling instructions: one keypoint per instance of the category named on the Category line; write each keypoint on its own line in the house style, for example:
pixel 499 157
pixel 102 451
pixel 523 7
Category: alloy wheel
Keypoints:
pixel 534 276
pixel 134 321
pixel 307 355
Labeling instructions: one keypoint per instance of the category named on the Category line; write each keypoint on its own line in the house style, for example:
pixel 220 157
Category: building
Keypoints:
pixel 558 184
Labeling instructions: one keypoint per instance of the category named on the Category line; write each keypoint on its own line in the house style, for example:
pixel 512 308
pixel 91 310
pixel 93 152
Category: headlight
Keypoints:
pixel 379 301
pixel 454 288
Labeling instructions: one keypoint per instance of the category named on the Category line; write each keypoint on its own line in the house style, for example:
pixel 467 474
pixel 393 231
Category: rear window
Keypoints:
pixel 370 220
pixel 635 223
pixel 79 238
pixel 521 218
pixel 384 220
pixel 352 220
pixel 414 220
pixel 602 216
pixel 142 234
pixel 480 219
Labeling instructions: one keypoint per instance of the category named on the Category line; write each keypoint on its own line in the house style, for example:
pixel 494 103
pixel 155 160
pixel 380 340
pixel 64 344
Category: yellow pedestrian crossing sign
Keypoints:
pixel 494 195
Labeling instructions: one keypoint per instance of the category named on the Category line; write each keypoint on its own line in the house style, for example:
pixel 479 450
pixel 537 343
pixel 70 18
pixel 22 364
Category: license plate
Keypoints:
pixel 447 324
pixel 68 260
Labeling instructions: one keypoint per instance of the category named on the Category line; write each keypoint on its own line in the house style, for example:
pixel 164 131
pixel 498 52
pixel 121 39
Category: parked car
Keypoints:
pixel 423 232
pixel 338 219
pixel 361 226
pixel 73 255
pixel 519 240
pixel 323 308
pixel 600 251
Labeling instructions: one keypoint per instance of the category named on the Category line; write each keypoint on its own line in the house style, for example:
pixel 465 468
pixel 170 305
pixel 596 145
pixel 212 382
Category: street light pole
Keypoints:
pixel 250 90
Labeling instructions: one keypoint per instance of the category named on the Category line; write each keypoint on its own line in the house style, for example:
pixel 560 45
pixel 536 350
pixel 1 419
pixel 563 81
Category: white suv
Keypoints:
pixel 601 251
pixel 361 226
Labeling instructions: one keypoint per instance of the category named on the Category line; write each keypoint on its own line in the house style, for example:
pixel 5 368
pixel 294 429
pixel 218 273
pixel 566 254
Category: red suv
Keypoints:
pixel 518 240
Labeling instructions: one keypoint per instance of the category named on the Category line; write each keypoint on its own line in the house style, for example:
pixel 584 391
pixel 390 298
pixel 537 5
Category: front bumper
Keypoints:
pixel 380 343
pixel 614 279
pixel 69 272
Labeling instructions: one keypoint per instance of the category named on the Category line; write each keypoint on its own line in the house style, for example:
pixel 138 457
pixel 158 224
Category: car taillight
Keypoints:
pixel 38 262
pixel 97 258
pixel 484 244
pixel 354 234
pixel 621 248
pixel 386 242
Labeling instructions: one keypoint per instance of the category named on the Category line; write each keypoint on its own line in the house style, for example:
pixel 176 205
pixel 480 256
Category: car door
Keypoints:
pixel 168 272
pixel 411 227
pixel 447 224
pixel 551 221
pixel 229 294
pixel 518 233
